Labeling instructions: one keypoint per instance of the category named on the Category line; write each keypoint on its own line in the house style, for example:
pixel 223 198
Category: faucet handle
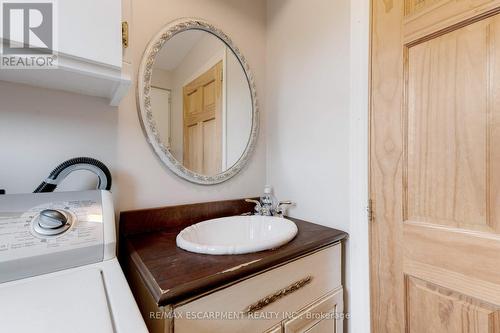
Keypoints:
pixel 258 206
pixel 280 207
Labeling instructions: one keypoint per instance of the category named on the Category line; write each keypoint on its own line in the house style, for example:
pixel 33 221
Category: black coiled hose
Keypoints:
pixel 77 163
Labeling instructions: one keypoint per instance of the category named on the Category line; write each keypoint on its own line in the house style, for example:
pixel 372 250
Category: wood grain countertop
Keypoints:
pixel 147 242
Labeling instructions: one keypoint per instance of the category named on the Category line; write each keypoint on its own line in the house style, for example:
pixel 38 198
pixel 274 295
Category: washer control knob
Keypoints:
pixel 52 219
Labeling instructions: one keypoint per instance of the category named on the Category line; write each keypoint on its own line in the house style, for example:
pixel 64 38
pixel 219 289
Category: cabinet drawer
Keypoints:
pixel 320 317
pixel 275 329
pixel 271 296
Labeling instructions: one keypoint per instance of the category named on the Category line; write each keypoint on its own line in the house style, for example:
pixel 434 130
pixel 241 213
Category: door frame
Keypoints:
pixel 357 302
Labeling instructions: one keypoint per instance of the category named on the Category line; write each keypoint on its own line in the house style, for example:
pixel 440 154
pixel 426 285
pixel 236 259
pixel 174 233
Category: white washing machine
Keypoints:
pixel 58 266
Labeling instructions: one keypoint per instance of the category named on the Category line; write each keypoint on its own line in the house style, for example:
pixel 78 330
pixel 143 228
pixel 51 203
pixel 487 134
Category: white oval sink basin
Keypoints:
pixel 237 235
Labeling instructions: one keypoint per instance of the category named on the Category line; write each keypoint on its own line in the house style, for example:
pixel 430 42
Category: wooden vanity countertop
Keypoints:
pixel 147 242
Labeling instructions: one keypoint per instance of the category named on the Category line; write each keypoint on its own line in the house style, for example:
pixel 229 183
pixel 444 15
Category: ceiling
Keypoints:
pixel 176 49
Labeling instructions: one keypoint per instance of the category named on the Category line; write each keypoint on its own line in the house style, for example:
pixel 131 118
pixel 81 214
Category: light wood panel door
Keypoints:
pixel 202 122
pixel 435 166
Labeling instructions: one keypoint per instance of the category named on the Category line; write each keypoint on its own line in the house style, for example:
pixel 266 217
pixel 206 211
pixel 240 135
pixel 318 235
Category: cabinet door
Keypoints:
pixel 323 316
pixel 81 21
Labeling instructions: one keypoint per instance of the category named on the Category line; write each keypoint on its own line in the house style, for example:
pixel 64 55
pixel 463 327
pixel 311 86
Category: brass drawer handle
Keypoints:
pixel 263 302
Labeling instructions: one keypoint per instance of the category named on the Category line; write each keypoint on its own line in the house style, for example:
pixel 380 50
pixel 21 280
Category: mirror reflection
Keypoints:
pixel 201 102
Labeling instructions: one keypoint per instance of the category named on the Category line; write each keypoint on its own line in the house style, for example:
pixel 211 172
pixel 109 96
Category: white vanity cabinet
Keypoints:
pixel 87 40
pixel 304 295
pixel 293 288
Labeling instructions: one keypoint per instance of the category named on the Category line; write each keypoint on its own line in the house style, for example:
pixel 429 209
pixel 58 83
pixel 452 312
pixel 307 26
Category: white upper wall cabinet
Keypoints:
pixel 86 37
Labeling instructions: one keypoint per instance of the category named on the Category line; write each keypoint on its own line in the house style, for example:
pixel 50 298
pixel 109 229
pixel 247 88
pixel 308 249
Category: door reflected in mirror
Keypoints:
pixel 201 102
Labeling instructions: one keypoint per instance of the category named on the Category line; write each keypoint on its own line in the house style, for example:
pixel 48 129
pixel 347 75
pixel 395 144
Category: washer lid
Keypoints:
pixel 68 302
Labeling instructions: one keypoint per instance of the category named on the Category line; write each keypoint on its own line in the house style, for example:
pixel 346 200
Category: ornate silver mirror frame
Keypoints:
pixel 144 101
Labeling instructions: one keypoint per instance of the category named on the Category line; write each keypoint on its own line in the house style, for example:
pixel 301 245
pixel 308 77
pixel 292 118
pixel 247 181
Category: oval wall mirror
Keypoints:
pixel 197 102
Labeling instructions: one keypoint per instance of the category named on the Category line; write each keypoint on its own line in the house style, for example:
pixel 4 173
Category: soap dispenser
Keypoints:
pixel 268 201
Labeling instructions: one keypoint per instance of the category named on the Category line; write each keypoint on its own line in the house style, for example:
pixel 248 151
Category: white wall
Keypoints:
pixel 162 78
pixel 317 92
pixel 41 128
pixel 238 110
pixel 308 83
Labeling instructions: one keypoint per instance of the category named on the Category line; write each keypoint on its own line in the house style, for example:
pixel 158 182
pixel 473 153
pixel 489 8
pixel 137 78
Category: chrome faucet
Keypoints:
pixel 258 206
pixel 280 208
pixel 269 210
